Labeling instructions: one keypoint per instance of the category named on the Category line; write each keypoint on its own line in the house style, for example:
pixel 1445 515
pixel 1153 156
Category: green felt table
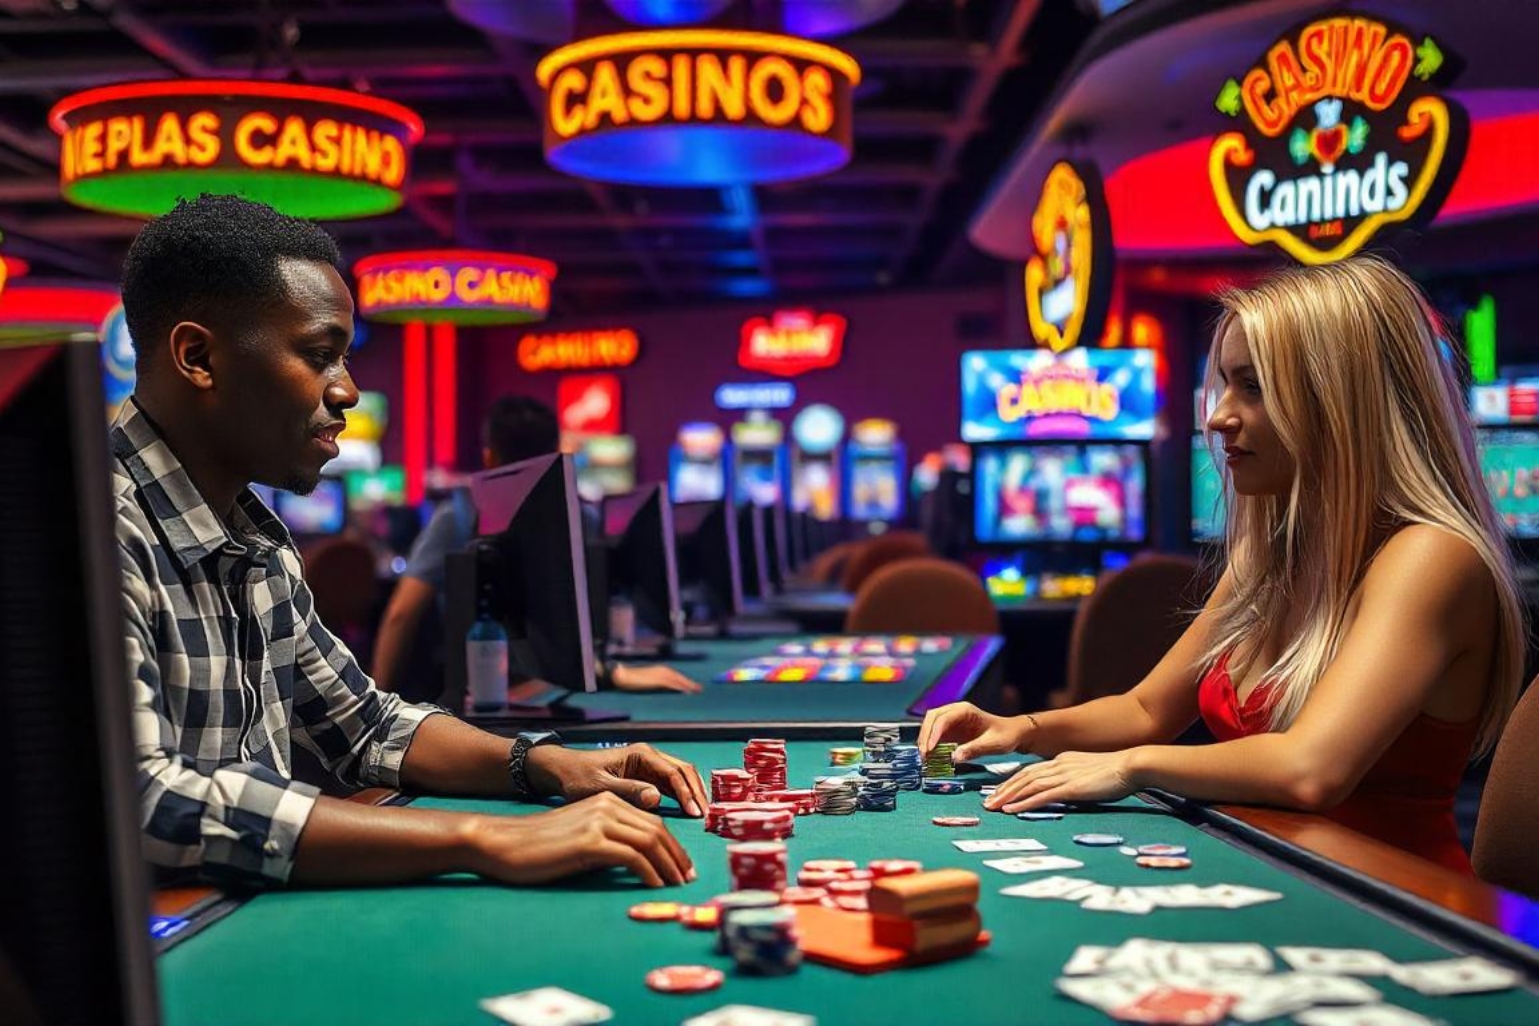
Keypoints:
pixel 426 954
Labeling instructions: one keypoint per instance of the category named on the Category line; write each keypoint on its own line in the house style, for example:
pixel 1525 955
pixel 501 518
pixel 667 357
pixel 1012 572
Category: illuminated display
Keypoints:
pixel 756 395
pixel 697 107
pixel 874 468
pixel 792 342
pixel 1068 277
pixel 589 404
pixel 32 311
pixel 578 350
pixel 1017 394
pixel 1347 133
pixel 307 151
pixel 818 429
pixel 454 287
pixel 118 368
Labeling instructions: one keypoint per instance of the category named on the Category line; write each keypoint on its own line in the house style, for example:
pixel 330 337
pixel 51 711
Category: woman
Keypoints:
pixel 1366 636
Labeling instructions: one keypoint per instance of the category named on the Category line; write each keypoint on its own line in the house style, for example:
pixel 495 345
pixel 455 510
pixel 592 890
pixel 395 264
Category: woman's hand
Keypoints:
pixel 974 731
pixel 1072 777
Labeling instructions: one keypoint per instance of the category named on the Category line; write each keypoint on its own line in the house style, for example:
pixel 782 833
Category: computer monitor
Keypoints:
pixel 1207 494
pixel 75 944
pixel 1070 492
pixel 709 569
pixel 642 563
pixel 1509 462
pixel 322 512
pixel 753 552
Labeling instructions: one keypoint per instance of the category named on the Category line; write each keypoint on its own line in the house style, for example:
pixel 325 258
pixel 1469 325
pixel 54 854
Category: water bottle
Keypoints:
pixel 486 662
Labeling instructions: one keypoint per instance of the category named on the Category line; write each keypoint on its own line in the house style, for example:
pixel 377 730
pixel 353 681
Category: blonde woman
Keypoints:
pixel 1366 638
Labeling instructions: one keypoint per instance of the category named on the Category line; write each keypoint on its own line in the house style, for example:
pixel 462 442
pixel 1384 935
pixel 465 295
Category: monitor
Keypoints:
pixel 642 562
pixel 75 942
pixel 323 511
pixel 370 489
pixel 1509 462
pixel 876 484
pixel 1083 493
pixel 1011 395
pixel 753 551
pixel 1207 494
pixel 709 567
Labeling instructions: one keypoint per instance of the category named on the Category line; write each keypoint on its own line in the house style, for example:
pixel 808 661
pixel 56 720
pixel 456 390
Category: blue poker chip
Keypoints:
pixel 1171 850
pixel 1098 840
pixel 1038 816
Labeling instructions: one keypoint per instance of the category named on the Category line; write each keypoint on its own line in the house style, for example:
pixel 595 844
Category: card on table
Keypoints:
pixel 1002 769
pixel 1337 961
pixel 1471 975
pixel 1105 992
pixel 1063 888
pixel 1003 844
pixel 750 1015
pixel 1232 896
pixel 547 1006
pixel 1122 899
pixel 1033 863
pixel 1367 1015
pixel 1173 1005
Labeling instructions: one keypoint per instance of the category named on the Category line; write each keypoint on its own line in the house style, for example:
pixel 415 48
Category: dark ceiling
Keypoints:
pixel 949 88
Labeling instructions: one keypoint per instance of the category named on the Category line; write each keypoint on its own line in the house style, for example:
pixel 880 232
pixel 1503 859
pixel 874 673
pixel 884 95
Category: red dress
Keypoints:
pixel 1406 799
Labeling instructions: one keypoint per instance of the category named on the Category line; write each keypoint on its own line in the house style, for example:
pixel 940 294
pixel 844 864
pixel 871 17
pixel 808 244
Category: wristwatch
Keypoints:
pixel 518 758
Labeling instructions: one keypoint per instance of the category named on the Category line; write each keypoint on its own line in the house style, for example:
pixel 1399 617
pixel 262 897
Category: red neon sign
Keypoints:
pixel 468 287
pixel 578 350
pixel 792 342
pixel 589 404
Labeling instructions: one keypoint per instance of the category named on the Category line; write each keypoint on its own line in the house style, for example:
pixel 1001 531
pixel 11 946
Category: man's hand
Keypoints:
pixel 599 832
pixel 652 678
pixel 638 773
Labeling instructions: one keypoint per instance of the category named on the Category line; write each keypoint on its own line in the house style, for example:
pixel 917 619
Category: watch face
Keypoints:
pixel 539 737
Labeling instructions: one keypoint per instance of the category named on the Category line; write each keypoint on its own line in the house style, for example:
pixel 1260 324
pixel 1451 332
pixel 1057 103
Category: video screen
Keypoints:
pixel 1509 461
pixel 370 489
pixel 874 488
pixel 323 511
pixel 1059 493
pixel 1013 395
pixel 758 476
pixel 1207 494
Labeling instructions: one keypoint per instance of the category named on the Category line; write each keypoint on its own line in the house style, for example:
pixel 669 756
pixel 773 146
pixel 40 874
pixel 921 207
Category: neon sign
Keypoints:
pixel 792 342
pixel 1012 395
pixel 1068 277
pixel 578 350
pixel 756 395
pixel 307 151
pixel 454 287
pixel 1347 134
pixel 697 107
pixel 589 404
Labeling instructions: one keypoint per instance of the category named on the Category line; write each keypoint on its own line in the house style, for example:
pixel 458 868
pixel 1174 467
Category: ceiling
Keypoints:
pixel 949 88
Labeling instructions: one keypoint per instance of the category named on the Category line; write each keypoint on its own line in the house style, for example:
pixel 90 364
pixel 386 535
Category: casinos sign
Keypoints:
pixel 454 286
pixel 1344 132
pixel 1068 278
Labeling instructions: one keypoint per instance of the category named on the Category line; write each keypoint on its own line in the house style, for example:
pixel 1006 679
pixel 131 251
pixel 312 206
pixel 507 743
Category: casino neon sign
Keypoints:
pixel 1068 276
pixel 697 107
pixel 305 150
pixel 1347 133
pixel 792 342
pixel 1059 389
pixel 469 287
pixel 578 350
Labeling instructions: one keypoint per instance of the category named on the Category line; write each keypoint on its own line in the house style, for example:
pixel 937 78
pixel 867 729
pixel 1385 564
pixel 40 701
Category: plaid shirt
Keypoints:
pixel 230 666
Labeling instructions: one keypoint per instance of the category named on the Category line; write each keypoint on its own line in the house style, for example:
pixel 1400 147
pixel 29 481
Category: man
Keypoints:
pixel 242 323
pixel 515 428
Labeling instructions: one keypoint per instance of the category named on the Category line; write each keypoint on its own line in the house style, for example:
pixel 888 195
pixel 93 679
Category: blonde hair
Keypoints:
pixel 1373 416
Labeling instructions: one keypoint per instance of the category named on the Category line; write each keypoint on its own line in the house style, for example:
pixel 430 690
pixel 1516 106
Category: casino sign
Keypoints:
pixel 453 286
pixel 1068 277
pixel 1346 133
pixel 578 350
pixel 792 342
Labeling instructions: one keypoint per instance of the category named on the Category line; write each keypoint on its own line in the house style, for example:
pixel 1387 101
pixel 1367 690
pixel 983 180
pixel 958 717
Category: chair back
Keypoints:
pixel 1506 848
pixel 877 553
pixel 340 573
pixel 923 595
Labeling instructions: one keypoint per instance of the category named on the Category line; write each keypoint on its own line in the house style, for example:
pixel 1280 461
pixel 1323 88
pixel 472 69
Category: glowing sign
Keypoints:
pixel 1015 394
pixel 1347 134
pixel 33 311
pixel 453 287
pixel 758 434
pixel 1068 278
pixel 307 151
pixel 589 404
pixel 873 433
pixel 818 428
pixel 697 107
pixel 792 342
pixel 578 350
pixel 756 395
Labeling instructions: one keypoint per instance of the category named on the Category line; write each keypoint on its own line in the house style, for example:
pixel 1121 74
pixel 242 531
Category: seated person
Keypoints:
pixel 242 322
pixel 516 428
pixel 1366 637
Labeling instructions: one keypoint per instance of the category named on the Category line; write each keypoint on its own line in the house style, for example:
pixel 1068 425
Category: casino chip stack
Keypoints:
pixel 764 941
pixel 729 905
pixel 758 866
pixel 943 785
pixel 846 756
pixel 836 796
pixel 879 738
pixel 802 799
pixel 906 766
pixel 925 912
pixel 762 822
pixel 938 762
pixel 879 788
pixel 731 785
pixel 765 759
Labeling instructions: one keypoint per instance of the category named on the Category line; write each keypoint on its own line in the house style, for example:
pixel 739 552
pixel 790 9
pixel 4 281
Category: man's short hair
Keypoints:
pixel 520 428
pixel 213 260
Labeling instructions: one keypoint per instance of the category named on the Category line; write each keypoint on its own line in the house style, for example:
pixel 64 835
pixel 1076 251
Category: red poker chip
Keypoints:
pixel 895 867
pixel 803 895
pixel 852 902
pixel 830 865
pixel 955 821
pixel 1164 861
pixel 700 917
pixel 813 878
pixel 685 979
pixel 654 911
pixel 849 887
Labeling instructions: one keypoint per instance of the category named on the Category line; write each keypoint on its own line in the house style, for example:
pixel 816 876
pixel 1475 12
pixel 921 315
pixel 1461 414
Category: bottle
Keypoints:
pixel 486 660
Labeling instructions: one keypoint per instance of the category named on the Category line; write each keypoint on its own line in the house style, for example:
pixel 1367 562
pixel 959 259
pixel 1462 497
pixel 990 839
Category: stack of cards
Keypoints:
pixel 1096 897
pixel 1144 980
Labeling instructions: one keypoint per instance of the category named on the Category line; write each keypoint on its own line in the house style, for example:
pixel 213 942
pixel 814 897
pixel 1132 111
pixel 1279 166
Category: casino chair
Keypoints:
pixel 878 552
pixel 341 575
pixel 1125 627
pixel 1506 848
pixel 922 595
pixel 827 567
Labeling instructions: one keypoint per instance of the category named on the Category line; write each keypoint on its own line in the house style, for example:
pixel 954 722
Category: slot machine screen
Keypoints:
pixel 1509 462
pixel 1059 493
pixel 1207 494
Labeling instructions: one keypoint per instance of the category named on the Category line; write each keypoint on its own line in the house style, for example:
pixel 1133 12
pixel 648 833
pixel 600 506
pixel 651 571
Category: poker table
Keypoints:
pixel 426 954
pixel 969 669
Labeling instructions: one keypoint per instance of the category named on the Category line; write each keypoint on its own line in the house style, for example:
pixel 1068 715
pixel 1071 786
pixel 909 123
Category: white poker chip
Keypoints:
pixel 1038 815
pixel 1128 850
pixel 1098 840
pixel 1172 850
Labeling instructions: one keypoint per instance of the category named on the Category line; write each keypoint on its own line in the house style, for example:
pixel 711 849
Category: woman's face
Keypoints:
pixel 1258 462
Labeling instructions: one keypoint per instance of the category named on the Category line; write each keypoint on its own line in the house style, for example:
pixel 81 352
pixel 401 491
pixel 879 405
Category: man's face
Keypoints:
pixel 282 394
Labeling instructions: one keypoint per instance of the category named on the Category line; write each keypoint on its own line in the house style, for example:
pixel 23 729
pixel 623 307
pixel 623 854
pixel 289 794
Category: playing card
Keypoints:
pixel 1228 958
pixel 1337 961
pixel 750 1015
pixel 1123 899
pixel 1140 956
pixel 1178 896
pixel 1087 960
pixel 1166 1004
pixel 1033 863
pixel 1003 844
pixel 547 1006
pixel 1003 769
pixel 1234 896
pixel 1366 1015
pixel 1059 887
pixel 1454 976
pixel 1285 993
pixel 1105 992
